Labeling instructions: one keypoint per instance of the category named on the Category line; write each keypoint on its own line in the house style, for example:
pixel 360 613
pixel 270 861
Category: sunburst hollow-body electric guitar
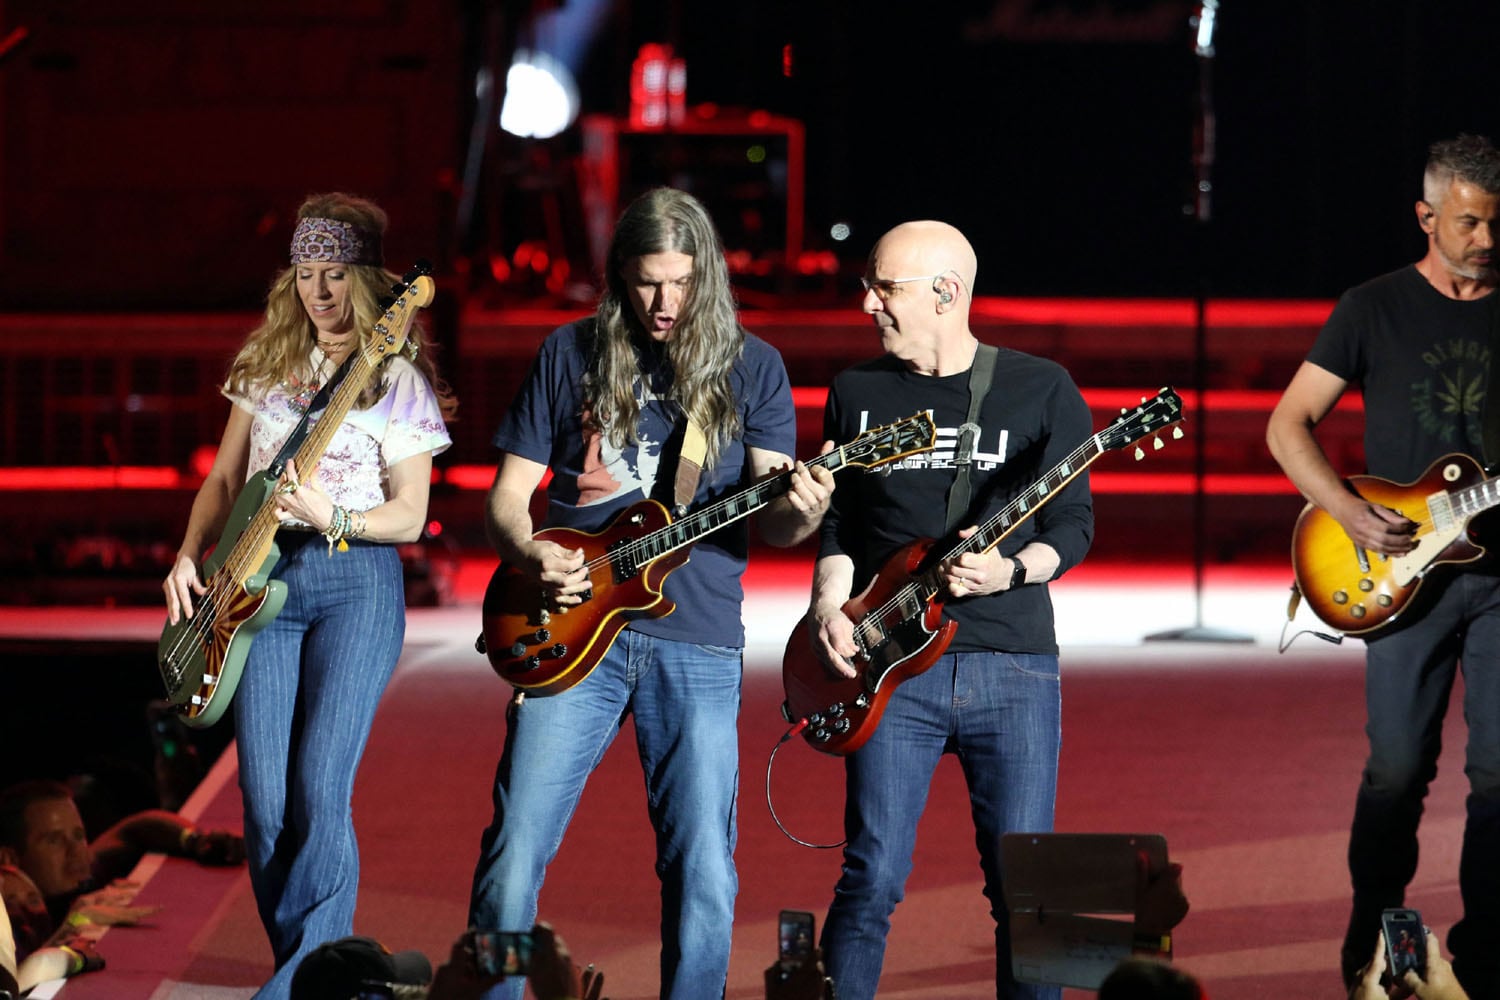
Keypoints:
pixel 547 649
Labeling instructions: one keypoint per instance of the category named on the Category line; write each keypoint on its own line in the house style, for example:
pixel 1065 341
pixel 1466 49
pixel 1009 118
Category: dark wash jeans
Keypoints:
pixel 1409 674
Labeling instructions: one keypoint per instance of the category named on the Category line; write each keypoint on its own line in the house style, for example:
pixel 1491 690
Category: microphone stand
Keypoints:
pixel 1204 141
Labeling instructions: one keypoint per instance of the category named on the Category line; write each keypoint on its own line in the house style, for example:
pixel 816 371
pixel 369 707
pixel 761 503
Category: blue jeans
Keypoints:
pixel 1409 674
pixel 686 700
pixel 1001 714
pixel 302 715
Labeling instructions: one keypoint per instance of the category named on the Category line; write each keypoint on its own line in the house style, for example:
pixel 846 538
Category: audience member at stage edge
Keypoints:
pixel 42 836
pixel 341 968
pixel 8 983
pixel 316 672
pixel 605 408
pixel 1438 984
pixel 993 698
pixel 1418 341
pixel 1149 979
pixel 32 951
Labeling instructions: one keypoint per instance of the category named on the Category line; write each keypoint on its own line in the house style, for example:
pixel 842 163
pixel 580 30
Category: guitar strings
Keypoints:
pixel 875 618
pixel 198 631
pixel 637 546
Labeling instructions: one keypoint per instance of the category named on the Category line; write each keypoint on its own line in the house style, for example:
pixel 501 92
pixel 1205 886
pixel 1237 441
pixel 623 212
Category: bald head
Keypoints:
pixel 926 247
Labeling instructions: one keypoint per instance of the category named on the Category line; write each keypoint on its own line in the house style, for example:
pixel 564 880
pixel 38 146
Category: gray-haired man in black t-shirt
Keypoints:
pixel 1418 341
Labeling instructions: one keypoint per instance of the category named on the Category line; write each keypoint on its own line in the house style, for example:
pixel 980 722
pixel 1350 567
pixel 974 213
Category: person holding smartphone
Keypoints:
pixel 1436 982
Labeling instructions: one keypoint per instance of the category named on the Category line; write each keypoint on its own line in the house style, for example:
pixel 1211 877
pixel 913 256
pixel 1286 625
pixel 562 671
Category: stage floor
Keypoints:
pixel 1245 759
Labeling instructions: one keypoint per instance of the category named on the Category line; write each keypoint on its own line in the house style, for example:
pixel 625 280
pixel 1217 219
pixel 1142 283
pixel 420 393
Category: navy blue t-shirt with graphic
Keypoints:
pixel 592 480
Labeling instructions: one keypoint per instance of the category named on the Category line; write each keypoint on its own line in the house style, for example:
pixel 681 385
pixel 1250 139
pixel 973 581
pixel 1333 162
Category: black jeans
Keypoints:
pixel 1409 674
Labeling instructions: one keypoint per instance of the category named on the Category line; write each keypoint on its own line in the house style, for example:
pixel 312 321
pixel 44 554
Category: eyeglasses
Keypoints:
pixel 883 287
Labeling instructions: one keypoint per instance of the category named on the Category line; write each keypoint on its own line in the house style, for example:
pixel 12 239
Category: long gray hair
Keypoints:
pixel 706 340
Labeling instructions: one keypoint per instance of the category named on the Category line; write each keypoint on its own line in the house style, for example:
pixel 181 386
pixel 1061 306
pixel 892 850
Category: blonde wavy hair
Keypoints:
pixel 706 340
pixel 278 348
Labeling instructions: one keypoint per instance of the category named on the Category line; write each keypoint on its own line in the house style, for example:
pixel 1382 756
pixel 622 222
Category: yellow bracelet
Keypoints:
pixel 75 960
pixel 76 919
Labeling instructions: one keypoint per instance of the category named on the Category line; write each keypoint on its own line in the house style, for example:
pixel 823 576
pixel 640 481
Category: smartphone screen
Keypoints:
pixel 1405 943
pixel 502 953
pixel 794 937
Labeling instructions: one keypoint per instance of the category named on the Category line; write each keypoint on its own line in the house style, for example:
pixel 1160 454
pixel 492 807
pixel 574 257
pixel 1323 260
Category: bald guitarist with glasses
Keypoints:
pixel 1419 342
pixel 993 697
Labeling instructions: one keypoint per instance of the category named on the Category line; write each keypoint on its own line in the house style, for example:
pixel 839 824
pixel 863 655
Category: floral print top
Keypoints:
pixel 354 471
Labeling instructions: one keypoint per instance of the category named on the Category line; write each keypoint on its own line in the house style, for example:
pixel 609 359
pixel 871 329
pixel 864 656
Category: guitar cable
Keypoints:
pixel 800 725
pixel 1292 604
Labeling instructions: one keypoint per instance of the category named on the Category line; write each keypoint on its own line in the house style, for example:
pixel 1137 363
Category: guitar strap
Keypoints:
pixel 689 467
pixel 981 374
pixel 1490 428
pixel 318 405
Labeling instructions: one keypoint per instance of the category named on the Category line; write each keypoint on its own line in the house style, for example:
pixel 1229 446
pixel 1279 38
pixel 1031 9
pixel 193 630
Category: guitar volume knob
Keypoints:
pixel 518 650
pixel 559 650
pixel 542 635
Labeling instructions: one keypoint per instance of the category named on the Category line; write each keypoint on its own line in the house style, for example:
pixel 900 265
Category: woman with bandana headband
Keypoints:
pixel 315 674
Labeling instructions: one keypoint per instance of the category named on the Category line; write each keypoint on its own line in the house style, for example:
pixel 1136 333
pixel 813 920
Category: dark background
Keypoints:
pixel 153 152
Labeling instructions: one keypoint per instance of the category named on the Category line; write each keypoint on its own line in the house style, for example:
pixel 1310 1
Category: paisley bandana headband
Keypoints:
pixel 336 242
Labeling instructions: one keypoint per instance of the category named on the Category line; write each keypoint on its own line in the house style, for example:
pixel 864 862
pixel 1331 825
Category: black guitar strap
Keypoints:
pixel 318 405
pixel 1490 428
pixel 981 374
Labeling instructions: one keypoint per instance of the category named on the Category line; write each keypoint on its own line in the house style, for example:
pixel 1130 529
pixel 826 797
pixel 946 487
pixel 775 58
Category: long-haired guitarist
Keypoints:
pixel 315 673
pixel 993 698
pixel 1420 343
pixel 606 408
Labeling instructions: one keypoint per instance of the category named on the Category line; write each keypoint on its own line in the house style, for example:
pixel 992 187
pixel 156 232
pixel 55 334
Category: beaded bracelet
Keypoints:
pixel 338 527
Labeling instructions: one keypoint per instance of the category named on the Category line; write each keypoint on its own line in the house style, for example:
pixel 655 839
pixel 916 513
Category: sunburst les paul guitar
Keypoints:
pixel 899 627
pixel 201 658
pixel 1359 592
pixel 545 649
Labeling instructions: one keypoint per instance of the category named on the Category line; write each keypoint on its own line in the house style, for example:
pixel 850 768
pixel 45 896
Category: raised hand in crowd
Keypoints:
pixel 1439 983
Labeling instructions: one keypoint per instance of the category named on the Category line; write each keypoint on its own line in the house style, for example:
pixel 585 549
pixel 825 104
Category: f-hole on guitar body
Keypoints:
pixel 546 650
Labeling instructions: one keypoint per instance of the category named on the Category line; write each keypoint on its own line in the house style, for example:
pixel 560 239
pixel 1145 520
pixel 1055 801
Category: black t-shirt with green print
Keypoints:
pixel 1422 361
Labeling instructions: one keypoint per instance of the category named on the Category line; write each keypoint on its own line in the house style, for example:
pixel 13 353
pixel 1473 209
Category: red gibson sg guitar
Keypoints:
pixel 898 620
pixel 545 649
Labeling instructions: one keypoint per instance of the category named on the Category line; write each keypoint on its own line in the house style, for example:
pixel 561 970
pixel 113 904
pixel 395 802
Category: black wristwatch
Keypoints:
pixel 1017 574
